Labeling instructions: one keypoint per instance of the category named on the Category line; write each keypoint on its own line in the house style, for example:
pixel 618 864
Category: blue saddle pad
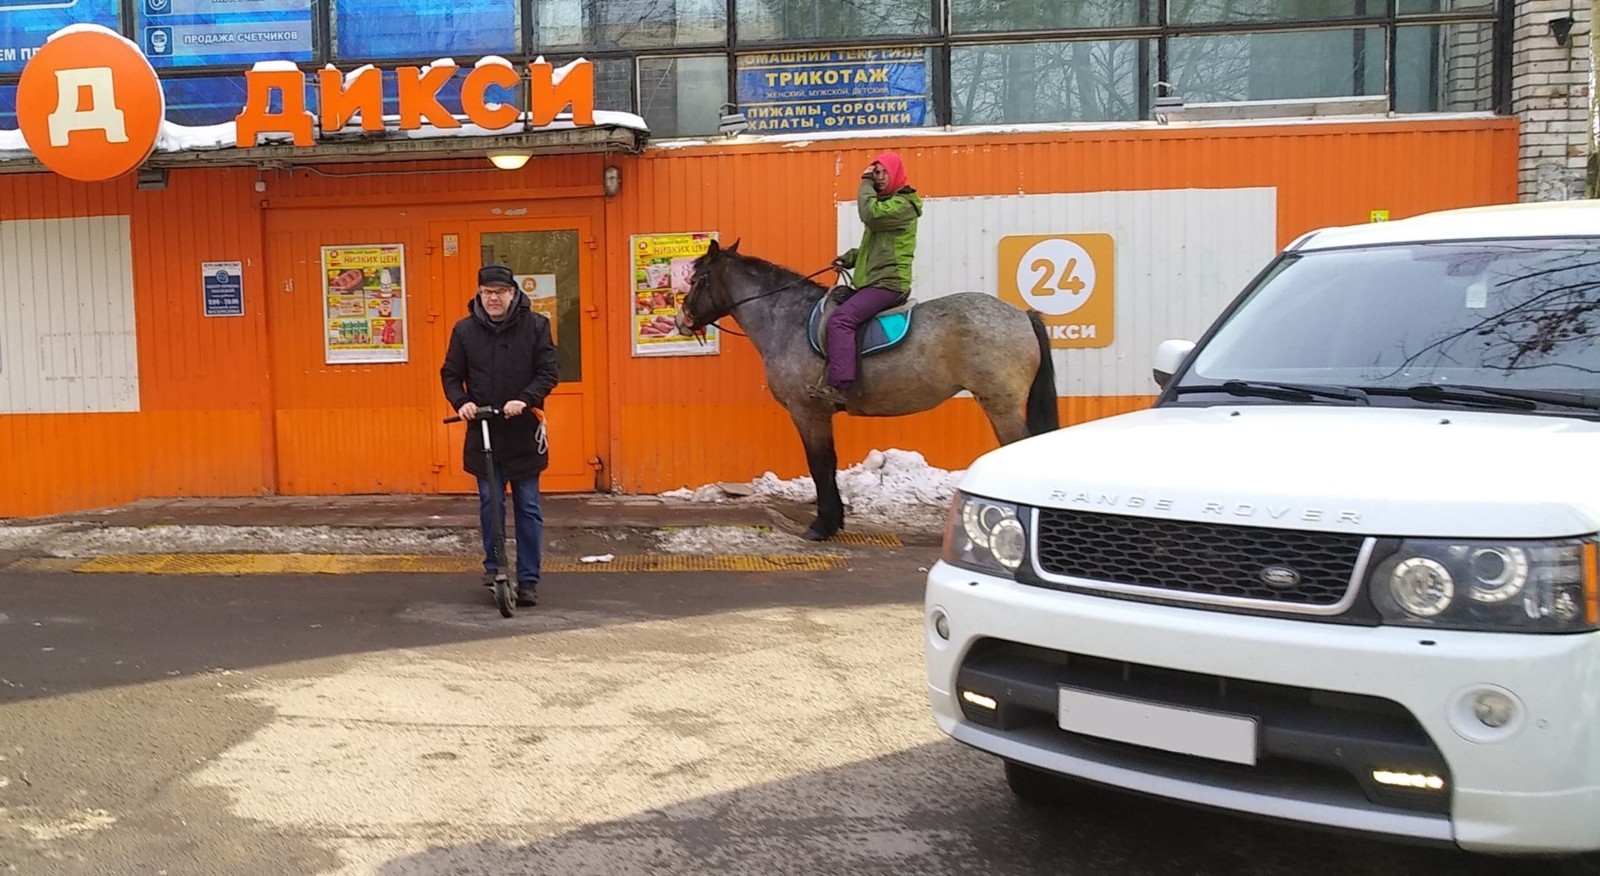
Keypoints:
pixel 883 332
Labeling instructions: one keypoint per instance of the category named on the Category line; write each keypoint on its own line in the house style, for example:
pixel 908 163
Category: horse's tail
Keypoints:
pixel 1043 415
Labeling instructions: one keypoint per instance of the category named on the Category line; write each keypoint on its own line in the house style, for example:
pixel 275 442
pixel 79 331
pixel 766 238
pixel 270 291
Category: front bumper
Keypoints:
pixel 1330 700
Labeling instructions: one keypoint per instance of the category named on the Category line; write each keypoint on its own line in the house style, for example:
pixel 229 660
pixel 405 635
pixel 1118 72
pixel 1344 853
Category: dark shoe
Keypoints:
pixel 488 579
pixel 527 597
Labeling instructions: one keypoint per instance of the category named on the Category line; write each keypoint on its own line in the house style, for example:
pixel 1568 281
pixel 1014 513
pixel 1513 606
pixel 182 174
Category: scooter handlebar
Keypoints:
pixel 483 413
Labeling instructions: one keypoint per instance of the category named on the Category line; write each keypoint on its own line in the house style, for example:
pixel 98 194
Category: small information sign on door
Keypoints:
pixel 223 283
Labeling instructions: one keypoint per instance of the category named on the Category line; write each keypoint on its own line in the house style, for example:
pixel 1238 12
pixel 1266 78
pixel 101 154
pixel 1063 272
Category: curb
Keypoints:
pixel 367 564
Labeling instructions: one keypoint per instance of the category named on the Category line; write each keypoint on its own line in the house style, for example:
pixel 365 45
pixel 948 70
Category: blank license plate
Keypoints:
pixel 1169 728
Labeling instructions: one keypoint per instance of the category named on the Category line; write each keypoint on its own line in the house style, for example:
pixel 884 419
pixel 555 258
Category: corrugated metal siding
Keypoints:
pixel 215 397
pixel 686 422
pixel 376 428
pixel 347 428
pixel 201 382
pixel 470 179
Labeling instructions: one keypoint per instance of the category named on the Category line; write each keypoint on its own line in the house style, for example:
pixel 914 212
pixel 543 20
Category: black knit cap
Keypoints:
pixel 496 275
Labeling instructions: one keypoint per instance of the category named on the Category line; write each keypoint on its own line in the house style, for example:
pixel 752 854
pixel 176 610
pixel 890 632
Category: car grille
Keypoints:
pixel 1198 561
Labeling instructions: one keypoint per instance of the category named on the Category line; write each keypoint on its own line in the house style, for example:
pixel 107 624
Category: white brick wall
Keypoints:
pixel 1550 96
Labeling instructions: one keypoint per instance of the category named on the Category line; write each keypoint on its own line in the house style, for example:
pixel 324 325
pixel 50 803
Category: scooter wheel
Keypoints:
pixel 505 597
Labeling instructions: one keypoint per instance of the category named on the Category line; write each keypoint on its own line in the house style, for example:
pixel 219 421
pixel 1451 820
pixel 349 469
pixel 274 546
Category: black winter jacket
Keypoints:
pixel 491 363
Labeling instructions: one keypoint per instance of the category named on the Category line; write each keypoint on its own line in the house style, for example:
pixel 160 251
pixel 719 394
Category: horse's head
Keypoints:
pixel 707 300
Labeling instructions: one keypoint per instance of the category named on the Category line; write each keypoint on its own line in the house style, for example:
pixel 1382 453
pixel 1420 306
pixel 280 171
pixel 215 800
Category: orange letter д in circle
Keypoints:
pixel 89 105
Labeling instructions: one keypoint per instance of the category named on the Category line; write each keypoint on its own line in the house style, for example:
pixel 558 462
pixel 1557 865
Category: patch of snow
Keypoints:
pixel 890 488
pixel 351 76
pixel 75 824
pixel 265 539
pixel 275 67
pixel 598 558
pixel 441 62
pixel 562 71
pixel 733 540
pixel 180 138
pixel 808 138
pixel 494 60
pixel 16 537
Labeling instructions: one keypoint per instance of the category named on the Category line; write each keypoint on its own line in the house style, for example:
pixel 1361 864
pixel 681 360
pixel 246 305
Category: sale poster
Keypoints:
pixel 663 269
pixel 364 292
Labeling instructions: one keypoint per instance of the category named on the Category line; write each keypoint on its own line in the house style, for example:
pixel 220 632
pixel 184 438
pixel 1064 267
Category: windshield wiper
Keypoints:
pixel 1295 392
pixel 1491 396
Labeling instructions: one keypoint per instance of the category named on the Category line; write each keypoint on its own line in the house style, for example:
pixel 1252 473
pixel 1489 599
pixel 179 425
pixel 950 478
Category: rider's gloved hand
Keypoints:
pixel 841 293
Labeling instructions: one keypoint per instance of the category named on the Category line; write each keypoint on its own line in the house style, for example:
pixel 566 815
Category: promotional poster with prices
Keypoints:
pixel 364 288
pixel 663 265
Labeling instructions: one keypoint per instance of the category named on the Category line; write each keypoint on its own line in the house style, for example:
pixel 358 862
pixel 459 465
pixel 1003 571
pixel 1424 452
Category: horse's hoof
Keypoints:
pixel 813 535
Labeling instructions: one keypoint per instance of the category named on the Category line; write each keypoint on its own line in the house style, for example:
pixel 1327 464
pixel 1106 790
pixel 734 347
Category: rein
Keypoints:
pixel 758 296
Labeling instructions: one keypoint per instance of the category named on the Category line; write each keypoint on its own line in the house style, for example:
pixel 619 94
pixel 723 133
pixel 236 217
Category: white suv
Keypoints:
pixel 1342 573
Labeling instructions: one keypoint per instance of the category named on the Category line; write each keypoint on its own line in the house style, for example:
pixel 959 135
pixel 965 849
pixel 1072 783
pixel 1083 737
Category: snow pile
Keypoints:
pixel 736 540
pixel 261 539
pixel 22 537
pixel 889 487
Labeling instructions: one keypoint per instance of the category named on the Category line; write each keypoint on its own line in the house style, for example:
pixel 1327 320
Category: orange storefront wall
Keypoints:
pixel 201 428
pixel 691 421
pixel 216 394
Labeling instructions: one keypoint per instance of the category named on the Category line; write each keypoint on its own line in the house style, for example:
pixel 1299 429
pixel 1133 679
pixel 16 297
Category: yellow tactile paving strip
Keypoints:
pixel 868 539
pixel 359 564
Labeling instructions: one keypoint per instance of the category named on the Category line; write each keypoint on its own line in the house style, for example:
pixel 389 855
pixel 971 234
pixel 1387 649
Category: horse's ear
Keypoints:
pixel 713 249
pixel 735 247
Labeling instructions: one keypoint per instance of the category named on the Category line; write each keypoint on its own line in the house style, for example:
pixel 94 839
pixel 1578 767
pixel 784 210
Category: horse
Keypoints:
pixel 969 341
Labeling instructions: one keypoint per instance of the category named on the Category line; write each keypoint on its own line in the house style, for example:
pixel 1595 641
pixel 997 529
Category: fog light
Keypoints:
pixel 941 624
pixel 1487 713
pixel 979 700
pixel 1493 709
pixel 1420 781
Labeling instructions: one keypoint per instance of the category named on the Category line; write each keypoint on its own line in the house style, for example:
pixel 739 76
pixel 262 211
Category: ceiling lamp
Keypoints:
pixel 509 160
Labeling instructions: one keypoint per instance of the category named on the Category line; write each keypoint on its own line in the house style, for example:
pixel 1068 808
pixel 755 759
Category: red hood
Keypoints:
pixel 897 171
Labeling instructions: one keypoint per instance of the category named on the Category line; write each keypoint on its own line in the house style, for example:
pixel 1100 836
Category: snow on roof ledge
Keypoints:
pixel 187 138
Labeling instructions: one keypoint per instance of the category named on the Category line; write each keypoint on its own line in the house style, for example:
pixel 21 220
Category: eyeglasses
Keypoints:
pixel 495 290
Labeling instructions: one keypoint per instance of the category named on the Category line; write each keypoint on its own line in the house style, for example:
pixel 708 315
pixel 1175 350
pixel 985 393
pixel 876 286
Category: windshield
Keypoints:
pixel 1502 314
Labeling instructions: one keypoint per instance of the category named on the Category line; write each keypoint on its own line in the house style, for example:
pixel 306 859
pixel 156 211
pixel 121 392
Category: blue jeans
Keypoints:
pixel 529 516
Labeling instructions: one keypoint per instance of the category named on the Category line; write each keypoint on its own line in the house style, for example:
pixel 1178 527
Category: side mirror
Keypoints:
pixel 1169 358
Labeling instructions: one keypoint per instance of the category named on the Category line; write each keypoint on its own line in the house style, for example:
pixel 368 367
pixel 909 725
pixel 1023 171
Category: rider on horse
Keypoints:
pixel 881 265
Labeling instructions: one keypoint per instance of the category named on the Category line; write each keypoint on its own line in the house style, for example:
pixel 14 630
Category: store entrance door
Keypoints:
pixel 552 259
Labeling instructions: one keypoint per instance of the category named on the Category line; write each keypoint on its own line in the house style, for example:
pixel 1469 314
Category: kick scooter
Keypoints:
pixel 505 594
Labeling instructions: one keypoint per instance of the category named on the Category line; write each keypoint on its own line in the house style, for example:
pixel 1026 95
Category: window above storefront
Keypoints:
pixel 802 66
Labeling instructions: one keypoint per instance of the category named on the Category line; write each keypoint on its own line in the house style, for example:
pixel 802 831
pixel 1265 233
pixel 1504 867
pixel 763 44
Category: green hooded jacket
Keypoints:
pixel 889 242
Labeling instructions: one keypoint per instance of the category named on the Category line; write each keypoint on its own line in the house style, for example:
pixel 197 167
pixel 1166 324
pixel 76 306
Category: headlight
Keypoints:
pixel 1526 586
pixel 985 535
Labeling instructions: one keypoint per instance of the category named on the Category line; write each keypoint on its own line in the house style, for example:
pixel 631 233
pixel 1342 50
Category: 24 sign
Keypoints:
pixel 1068 279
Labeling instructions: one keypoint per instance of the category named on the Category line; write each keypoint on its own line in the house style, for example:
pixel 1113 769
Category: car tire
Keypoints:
pixel 1035 786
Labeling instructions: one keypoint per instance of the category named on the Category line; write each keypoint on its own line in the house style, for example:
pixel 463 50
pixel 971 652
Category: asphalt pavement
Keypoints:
pixel 652 717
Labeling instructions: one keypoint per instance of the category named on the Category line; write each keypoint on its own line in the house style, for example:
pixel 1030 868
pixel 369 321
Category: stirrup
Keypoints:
pixel 824 391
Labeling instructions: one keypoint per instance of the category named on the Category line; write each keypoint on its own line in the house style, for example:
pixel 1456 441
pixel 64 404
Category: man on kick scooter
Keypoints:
pixel 501 356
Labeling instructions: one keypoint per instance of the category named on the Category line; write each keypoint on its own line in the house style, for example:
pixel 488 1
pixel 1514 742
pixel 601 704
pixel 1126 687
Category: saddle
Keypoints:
pixel 883 332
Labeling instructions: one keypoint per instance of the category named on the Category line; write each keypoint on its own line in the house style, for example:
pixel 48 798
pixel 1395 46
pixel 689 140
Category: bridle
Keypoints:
pixel 703 277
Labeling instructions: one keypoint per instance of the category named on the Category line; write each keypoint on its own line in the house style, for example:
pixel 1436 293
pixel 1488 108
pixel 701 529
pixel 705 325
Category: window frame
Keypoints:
pixel 942 40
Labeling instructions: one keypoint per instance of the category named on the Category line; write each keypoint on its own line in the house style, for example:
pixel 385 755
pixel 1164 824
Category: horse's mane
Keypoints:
pixel 772 276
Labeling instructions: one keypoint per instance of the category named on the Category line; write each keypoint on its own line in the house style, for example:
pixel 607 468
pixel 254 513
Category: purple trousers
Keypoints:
pixel 842 326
